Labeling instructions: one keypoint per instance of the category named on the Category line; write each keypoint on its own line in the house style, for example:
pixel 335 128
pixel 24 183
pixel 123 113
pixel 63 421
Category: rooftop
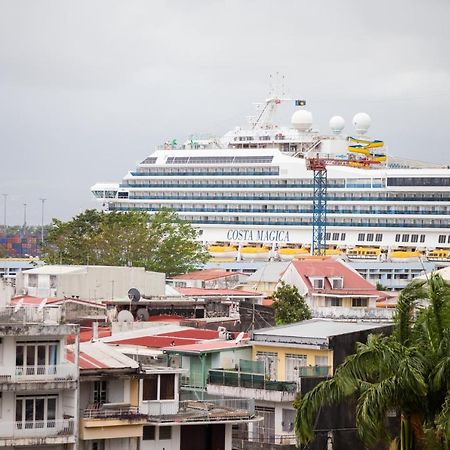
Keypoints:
pixel 353 282
pixel 204 275
pixel 208 347
pixel 312 332
pixel 271 272
pixel 194 292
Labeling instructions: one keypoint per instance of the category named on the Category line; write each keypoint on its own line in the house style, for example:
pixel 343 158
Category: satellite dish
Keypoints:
pixel 125 316
pixel 239 337
pixel 134 295
pixel 142 315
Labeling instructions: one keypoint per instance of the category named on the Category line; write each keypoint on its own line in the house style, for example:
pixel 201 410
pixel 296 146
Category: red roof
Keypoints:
pixel 194 292
pixel 181 337
pixel 31 300
pixel 353 282
pixel 205 275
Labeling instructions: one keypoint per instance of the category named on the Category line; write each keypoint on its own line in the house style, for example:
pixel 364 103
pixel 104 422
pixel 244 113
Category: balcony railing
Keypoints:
pixel 125 413
pixel 314 371
pixel 15 374
pixel 207 411
pixel 249 380
pixel 37 428
pixel 262 435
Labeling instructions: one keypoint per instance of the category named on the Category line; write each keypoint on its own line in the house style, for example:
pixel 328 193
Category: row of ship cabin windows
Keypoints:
pixel 378 237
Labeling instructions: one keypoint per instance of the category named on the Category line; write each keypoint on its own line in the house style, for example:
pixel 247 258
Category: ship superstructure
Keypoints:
pixel 250 194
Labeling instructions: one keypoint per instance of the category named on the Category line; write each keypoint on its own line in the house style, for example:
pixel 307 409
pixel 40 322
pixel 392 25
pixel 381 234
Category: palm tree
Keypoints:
pixel 408 372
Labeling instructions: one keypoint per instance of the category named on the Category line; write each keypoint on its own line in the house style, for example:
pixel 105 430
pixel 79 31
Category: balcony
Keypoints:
pixel 263 436
pixel 231 383
pixel 36 377
pixel 42 432
pixel 207 411
pixel 99 421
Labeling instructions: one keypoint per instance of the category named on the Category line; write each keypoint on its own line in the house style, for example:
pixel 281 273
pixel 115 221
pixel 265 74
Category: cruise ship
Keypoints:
pixel 250 192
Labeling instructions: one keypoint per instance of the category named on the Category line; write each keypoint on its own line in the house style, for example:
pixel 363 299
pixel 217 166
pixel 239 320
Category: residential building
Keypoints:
pixel 266 278
pixel 287 360
pixel 89 282
pixel 333 289
pixel 109 399
pixel 39 385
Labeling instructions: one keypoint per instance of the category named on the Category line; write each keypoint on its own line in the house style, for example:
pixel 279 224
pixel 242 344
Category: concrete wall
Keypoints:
pixel 95 282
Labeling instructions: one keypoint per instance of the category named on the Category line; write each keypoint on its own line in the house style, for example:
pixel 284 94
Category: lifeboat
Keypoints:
pixel 259 253
pixel 439 254
pixel 222 251
pixel 364 253
pixel 288 253
pixel 405 255
pixel 334 252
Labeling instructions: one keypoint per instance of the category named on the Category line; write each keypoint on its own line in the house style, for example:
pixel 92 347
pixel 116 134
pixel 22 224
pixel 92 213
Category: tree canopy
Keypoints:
pixel 289 305
pixel 161 242
pixel 408 372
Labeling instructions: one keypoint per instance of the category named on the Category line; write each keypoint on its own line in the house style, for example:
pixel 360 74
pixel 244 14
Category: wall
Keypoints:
pixel 291 276
pixel 281 351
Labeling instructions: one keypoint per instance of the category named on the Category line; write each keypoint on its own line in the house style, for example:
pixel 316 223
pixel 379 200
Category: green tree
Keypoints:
pixel 3 252
pixel 289 305
pixel 408 372
pixel 162 242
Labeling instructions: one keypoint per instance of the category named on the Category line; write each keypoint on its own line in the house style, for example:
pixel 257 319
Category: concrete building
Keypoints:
pixel 10 267
pixel 39 386
pixel 288 360
pixel 89 282
pixel 266 278
pixel 334 290
pixel 208 279
pixel 109 399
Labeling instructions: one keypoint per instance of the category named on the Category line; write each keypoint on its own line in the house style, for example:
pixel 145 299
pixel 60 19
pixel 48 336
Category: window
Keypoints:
pixel 148 433
pixel 35 412
pixel 270 360
pixel 288 419
pixel 441 239
pixel 36 358
pixel 327 236
pixel 337 283
pixel 32 280
pixel 422 238
pixel 167 386
pixel 98 445
pixel 165 433
pixel 414 237
pixel 100 392
pixel 150 388
pixel 336 302
pixel 317 283
pixel 397 238
pixel 359 302
pixel 342 236
pixel 292 364
pixel 378 237
pixel 361 236
pixel 405 238
pixel 335 236
pixel 321 361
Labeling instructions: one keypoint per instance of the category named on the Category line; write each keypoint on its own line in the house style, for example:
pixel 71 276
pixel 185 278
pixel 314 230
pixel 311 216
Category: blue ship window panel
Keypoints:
pixel 219 159
pixel 149 160
pixel 418 181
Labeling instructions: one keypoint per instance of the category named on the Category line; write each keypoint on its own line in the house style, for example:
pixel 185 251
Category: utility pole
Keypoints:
pixel 42 218
pixel 24 216
pixel 5 196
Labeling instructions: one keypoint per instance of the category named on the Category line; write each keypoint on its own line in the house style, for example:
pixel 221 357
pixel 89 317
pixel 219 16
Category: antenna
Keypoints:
pixel 142 315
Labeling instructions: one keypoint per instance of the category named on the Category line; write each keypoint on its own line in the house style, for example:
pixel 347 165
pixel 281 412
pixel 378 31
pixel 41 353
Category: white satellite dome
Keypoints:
pixel 337 124
pixel 361 122
pixel 302 120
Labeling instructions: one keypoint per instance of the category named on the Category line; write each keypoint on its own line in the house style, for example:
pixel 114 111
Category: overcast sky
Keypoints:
pixel 89 88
